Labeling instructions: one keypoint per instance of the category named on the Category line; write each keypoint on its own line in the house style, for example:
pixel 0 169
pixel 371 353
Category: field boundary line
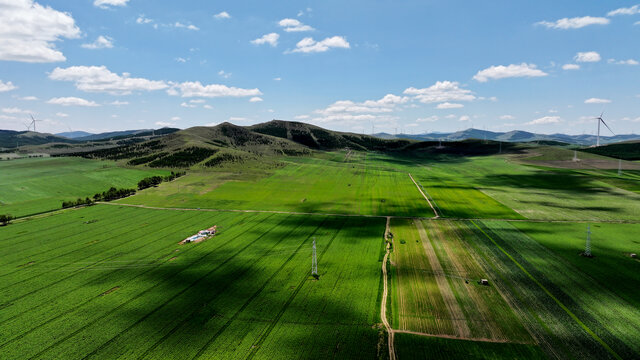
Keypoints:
pixel 385 294
pixel 444 336
pixel 425 197
pixel 564 307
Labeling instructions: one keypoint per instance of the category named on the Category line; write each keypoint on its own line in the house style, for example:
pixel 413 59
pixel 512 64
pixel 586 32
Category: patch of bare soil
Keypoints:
pixel 110 290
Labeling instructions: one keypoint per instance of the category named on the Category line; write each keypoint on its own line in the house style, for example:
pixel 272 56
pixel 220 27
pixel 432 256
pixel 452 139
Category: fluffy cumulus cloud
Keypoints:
pixel 271 39
pixel 196 89
pixel 509 71
pixel 222 15
pixel 180 25
pixel 71 101
pixel 15 110
pixel 101 79
pixel 308 45
pixel 104 4
pixel 597 101
pixel 354 113
pixel 28 31
pixel 631 62
pixel 635 9
pixel 255 99
pixel 7 86
pixel 545 120
pixel 570 67
pixel 574 23
pixel 440 92
pixel 293 25
pixel 102 42
pixel 587 56
pixel 448 105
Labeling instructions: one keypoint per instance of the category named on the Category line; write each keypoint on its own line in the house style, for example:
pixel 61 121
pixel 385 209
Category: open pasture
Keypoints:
pixel 109 281
pixel 308 185
pixel 29 186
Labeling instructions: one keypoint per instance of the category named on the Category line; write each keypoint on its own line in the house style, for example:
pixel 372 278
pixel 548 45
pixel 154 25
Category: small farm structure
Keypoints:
pixel 202 235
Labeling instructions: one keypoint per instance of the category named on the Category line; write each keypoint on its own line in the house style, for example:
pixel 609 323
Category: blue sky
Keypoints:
pixel 414 66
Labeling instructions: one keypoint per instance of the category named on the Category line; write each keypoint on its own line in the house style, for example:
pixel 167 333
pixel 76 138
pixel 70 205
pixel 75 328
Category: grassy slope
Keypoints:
pixel 308 185
pixel 249 285
pixel 29 186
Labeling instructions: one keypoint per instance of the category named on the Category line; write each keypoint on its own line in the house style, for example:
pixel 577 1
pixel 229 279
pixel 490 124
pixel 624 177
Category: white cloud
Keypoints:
pixel 587 56
pixel 71 101
pixel 7 86
pixel 100 79
pixel 510 71
pixel 308 45
pixel 293 25
pixel 464 118
pixel 222 15
pixel 15 110
pixel 632 62
pixel 178 24
pixel 441 91
pixel 143 20
pixel 176 118
pixel 507 117
pixel 635 9
pixel 574 23
pixel 277 79
pixel 187 105
pixel 28 31
pixel 271 39
pixel 570 67
pixel 448 105
pixel 432 118
pixel 545 120
pixel 597 101
pixel 196 89
pixel 103 4
pixel 207 106
pixel 61 114
pixel 119 103
pixel 164 123
pixel 181 60
pixel 224 74
pixel 256 99
pixel 197 101
pixel 102 42
pixel 28 98
pixel 384 105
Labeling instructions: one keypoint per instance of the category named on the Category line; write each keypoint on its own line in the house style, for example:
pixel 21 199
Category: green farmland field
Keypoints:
pixel 109 281
pixel 29 186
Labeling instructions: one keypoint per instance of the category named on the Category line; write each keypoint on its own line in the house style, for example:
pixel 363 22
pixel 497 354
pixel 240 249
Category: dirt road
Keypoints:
pixel 385 295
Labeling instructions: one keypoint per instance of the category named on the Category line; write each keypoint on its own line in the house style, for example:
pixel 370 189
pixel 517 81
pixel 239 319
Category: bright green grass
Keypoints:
pixel 308 185
pixel 29 186
pixel 112 282
pixel 409 346
pixel 532 192
pixel 562 304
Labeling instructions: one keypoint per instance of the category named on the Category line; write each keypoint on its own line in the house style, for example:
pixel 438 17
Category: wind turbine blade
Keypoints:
pixel 32 117
pixel 605 124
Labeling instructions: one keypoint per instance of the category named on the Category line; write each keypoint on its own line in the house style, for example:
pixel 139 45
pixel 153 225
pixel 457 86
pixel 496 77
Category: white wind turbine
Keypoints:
pixel 600 120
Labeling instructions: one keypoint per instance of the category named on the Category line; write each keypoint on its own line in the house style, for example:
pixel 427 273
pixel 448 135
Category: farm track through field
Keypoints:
pixel 96 320
pixel 425 197
pixel 554 298
pixel 592 221
pixel 152 265
pixel 385 295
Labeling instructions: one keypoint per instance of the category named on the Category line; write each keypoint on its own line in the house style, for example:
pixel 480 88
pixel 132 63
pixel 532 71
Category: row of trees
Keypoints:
pixel 113 194
pixel 6 219
pixel 79 202
pixel 156 180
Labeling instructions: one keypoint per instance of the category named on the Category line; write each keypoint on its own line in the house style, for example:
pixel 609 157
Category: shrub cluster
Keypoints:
pixel 222 158
pixel 6 219
pixel 184 158
pixel 68 204
pixel 156 180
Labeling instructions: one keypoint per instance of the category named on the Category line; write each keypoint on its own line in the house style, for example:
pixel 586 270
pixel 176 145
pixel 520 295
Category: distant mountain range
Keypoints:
pixel 512 136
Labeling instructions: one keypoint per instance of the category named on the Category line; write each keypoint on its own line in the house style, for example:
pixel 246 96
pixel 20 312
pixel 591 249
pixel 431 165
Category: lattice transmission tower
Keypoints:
pixel 587 247
pixel 314 261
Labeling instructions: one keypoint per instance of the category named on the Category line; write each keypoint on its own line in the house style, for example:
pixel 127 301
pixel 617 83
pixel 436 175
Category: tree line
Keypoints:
pixel 156 180
pixel 5 219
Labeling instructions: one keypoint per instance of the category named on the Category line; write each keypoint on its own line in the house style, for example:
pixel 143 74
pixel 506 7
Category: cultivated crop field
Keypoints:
pixel 29 186
pixel 109 281
pixel 309 185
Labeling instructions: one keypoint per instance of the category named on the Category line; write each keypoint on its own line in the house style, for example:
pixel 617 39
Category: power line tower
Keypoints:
pixel 314 261
pixel 587 247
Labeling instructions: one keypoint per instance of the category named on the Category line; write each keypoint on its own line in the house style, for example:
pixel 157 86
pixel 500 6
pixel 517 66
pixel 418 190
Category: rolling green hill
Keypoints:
pixel 625 151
